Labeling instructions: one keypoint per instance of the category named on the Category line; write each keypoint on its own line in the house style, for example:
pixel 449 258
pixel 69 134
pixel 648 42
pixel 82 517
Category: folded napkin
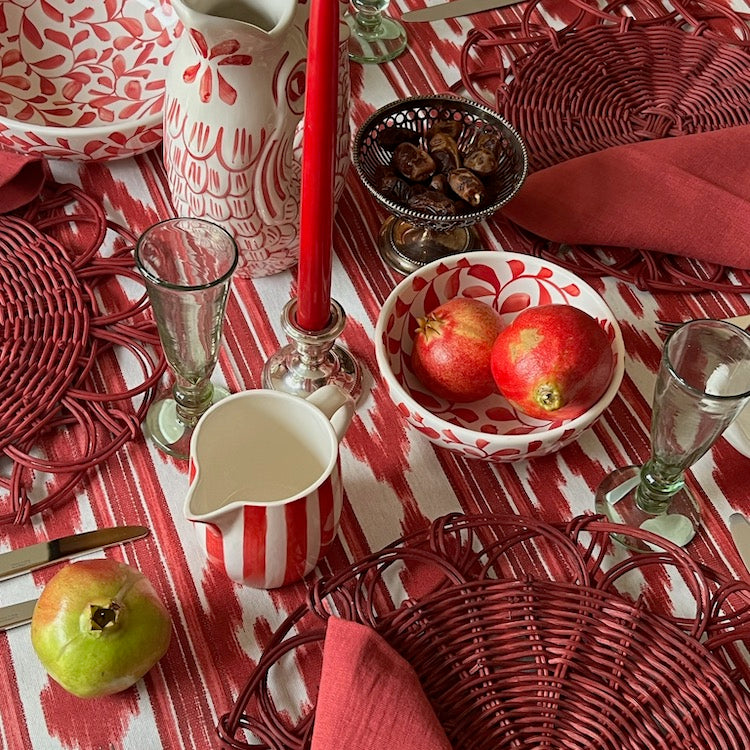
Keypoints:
pixel 687 195
pixel 22 177
pixel 369 697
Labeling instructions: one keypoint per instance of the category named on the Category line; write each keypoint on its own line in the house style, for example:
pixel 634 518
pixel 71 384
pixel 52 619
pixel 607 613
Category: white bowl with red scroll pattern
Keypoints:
pixel 490 429
pixel 84 79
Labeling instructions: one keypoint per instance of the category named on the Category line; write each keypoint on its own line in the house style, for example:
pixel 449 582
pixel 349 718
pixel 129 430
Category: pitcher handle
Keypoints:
pixel 336 404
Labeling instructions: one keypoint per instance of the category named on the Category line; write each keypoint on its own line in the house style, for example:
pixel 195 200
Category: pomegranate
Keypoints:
pixel 552 362
pixel 452 348
pixel 98 627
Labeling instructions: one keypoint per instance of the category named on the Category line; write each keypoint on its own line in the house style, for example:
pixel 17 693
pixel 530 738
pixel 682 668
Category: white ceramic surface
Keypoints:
pixel 490 429
pixel 233 123
pixel 265 482
pixel 738 433
pixel 84 80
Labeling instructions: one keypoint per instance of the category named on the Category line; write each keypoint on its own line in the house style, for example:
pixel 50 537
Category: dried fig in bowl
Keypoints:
pixel 481 161
pixel 467 186
pixel 413 162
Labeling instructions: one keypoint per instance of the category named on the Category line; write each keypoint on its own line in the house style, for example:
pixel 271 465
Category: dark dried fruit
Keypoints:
pixel 466 185
pixel 439 182
pixel 451 128
pixel 390 184
pixel 481 161
pixel 444 161
pixel 440 143
pixel 432 202
pixel 391 137
pixel 493 142
pixel 445 169
pixel 413 162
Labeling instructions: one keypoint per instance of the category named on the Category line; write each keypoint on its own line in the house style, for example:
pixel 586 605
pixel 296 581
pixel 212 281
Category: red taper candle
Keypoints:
pixel 318 156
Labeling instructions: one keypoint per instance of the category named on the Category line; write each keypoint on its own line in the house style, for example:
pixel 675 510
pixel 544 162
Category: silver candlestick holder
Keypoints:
pixel 312 359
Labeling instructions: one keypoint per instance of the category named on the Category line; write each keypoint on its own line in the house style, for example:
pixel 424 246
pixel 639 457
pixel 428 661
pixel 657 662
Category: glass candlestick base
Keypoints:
pixel 312 359
pixel 616 498
pixel 167 430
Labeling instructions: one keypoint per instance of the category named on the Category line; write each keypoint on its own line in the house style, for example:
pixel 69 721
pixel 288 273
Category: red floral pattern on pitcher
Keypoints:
pixel 233 131
pixel 223 53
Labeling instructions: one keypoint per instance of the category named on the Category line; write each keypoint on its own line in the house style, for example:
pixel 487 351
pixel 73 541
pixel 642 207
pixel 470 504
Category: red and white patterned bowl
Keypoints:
pixel 490 429
pixel 84 80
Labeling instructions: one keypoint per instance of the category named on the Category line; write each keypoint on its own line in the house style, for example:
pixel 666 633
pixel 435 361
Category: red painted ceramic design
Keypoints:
pixel 490 429
pixel 84 80
pixel 265 489
pixel 232 142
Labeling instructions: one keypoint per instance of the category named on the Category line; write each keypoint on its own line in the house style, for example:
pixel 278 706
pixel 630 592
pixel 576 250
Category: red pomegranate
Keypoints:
pixel 552 362
pixel 452 348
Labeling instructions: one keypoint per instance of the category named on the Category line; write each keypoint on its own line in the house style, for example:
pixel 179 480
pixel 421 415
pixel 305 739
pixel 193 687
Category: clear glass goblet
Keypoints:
pixel 375 36
pixel 187 265
pixel 702 385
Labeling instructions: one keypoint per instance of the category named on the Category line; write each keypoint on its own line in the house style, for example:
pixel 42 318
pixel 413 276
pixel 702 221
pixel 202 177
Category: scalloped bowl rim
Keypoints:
pixel 76 131
pixel 574 426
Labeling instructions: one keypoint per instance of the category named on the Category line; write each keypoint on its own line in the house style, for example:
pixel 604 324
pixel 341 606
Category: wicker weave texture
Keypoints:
pixel 629 73
pixel 59 417
pixel 508 661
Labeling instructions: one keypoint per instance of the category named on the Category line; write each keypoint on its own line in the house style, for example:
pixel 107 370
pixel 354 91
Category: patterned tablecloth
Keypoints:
pixel 395 480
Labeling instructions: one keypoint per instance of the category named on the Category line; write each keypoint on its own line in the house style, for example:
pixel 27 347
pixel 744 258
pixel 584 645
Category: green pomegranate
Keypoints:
pixel 98 627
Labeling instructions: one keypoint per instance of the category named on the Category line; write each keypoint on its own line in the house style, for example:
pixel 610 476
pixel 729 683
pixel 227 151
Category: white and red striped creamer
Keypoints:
pixel 265 482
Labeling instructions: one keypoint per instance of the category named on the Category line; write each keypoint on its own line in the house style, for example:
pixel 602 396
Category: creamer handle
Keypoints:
pixel 336 404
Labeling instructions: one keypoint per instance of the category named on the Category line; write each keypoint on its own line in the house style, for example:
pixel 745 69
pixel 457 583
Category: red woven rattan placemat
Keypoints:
pixel 60 418
pixel 573 660
pixel 628 73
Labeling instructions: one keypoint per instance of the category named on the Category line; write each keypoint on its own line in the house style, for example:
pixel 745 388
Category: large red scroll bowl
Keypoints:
pixel 84 80
pixel 490 429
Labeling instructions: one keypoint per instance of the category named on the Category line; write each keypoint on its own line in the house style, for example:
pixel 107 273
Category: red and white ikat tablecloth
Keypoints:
pixel 395 480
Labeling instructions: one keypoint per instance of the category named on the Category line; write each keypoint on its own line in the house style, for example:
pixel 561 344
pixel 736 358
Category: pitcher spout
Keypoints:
pixel 267 17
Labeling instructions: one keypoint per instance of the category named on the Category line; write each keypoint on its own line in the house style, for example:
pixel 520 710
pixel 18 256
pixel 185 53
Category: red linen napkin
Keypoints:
pixel 370 698
pixel 21 179
pixel 687 195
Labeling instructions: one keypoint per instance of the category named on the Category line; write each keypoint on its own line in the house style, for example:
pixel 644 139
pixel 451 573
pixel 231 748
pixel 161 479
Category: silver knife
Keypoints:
pixel 453 9
pixel 36 556
pixel 30 558
pixel 740 528
pixel 16 614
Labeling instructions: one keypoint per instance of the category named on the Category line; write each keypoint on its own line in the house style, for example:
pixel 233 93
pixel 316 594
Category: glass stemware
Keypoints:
pixel 187 265
pixel 702 385
pixel 375 36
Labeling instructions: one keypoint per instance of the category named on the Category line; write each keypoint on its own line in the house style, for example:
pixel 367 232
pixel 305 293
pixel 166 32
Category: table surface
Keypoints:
pixel 396 481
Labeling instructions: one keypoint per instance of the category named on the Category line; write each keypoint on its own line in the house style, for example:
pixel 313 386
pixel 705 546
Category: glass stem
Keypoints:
pixel 659 483
pixel 369 17
pixel 192 399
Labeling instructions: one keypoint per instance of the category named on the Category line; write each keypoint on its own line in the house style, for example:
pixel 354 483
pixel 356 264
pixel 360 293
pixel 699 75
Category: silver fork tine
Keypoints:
pixel 667 326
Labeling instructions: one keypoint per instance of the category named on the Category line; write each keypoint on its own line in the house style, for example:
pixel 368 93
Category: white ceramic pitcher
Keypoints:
pixel 265 482
pixel 232 123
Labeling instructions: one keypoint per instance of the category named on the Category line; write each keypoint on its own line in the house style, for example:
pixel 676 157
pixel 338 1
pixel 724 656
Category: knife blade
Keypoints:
pixel 36 556
pixel 739 526
pixel 453 9
pixel 16 614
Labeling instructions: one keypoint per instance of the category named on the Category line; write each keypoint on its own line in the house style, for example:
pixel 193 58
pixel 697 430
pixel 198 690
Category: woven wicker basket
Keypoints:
pixel 570 661
pixel 632 72
pixel 59 416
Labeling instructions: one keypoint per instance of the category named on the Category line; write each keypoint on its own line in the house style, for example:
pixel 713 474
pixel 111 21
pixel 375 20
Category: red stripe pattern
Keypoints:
pixel 394 480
